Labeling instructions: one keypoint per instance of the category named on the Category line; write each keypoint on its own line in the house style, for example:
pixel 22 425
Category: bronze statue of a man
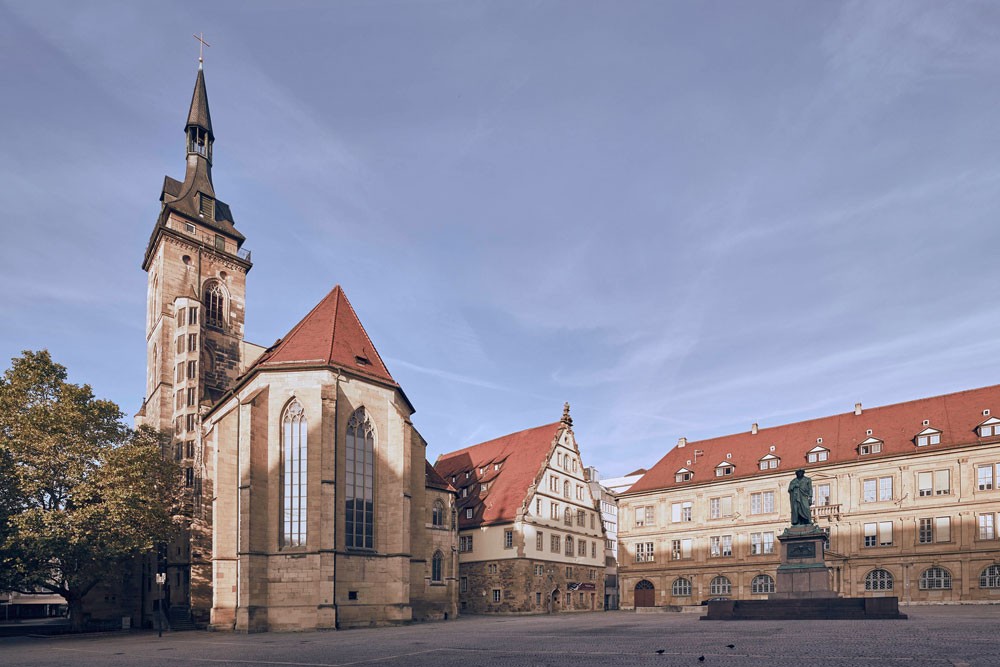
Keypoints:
pixel 800 493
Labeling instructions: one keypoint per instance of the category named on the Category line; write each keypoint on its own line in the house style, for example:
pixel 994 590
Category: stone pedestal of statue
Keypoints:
pixel 803 572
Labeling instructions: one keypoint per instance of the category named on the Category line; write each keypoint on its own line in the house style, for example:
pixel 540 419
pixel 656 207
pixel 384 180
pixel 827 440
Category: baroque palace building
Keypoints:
pixel 908 494
pixel 530 534
pixel 308 501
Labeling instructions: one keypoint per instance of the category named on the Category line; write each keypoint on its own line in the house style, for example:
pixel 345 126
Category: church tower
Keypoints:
pixel 196 300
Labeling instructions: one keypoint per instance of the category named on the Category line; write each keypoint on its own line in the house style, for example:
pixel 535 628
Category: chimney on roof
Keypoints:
pixel 682 442
pixel 566 419
pixel 753 428
pixel 857 408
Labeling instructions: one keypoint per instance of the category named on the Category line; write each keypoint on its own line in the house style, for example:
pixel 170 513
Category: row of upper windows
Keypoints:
pixel 566 462
pixel 719 546
pixel 558 544
pixel 557 511
pixel 819 454
pixel 930 530
pixel 933 578
pixel 873 489
pixel 556 484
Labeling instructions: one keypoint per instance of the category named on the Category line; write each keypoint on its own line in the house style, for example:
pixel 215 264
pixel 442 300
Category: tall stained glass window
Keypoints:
pixel 359 520
pixel 293 475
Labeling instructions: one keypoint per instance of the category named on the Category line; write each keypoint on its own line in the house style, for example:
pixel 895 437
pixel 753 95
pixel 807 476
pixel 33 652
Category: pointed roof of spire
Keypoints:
pixel 330 335
pixel 199 114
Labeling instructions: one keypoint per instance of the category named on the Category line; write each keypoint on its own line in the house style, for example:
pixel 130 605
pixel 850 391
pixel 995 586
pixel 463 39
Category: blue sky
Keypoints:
pixel 680 217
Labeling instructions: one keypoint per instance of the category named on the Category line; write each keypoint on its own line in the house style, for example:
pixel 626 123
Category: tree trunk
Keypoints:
pixel 75 612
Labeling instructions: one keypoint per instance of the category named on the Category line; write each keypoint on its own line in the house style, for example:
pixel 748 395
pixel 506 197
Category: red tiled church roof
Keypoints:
pixel 521 457
pixel 330 335
pixel 955 415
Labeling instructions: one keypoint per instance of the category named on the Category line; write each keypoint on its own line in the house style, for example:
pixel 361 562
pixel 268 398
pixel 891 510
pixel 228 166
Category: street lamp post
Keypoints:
pixel 161 578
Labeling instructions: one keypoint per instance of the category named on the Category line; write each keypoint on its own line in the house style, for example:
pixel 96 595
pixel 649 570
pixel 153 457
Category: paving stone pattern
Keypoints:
pixel 942 636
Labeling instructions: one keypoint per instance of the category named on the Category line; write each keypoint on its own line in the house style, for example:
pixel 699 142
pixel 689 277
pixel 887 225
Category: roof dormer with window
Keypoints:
pixel 989 428
pixel 769 462
pixel 724 469
pixel 870 445
pixel 929 436
pixel 683 475
pixel 817 454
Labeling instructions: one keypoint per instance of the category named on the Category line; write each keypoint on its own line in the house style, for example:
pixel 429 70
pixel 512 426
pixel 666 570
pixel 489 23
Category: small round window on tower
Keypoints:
pixel 223 275
pixel 186 259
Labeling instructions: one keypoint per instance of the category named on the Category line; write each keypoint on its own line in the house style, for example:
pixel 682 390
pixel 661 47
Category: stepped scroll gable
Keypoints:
pixel 531 538
pixel 907 492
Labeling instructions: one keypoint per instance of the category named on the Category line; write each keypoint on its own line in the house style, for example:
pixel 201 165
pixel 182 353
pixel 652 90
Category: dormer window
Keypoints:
pixel 683 475
pixel 870 446
pixel 769 462
pixel 990 427
pixel 929 436
pixel 817 454
pixel 724 469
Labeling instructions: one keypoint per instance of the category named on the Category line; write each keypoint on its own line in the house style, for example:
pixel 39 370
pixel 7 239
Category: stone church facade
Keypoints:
pixel 308 502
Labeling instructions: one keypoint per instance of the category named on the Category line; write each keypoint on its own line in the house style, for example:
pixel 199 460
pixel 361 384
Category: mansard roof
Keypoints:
pixel 956 416
pixel 521 457
pixel 330 335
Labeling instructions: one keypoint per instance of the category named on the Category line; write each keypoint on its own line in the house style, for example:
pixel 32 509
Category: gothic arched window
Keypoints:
pixel 215 304
pixel 294 468
pixel 437 514
pixel 436 563
pixel 360 516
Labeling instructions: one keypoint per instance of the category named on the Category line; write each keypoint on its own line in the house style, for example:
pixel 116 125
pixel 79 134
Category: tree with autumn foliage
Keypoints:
pixel 80 492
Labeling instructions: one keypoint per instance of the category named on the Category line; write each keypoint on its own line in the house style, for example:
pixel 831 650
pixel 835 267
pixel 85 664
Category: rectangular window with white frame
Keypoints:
pixel 680 549
pixel 821 494
pixel 681 512
pixel 878 534
pixel 934 483
pixel 644 552
pixel 721 546
pixel 508 538
pixel 644 516
pixel 930 530
pixel 762 502
pixel 539 541
pixel 987 527
pixel 876 489
pixel 720 508
pixel 985 475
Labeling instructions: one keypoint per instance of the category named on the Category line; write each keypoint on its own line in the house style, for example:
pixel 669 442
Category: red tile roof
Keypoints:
pixel 521 456
pixel 434 480
pixel 955 415
pixel 330 335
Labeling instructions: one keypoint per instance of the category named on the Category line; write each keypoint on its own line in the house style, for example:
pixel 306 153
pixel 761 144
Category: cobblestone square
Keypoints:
pixel 956 636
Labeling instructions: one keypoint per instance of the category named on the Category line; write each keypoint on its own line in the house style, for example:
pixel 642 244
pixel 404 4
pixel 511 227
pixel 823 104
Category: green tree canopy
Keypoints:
pixel 80 492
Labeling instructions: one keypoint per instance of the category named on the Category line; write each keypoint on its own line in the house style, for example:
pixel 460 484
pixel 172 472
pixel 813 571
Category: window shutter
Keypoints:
pixel 942 481
pixel 924 480
pixel 942 526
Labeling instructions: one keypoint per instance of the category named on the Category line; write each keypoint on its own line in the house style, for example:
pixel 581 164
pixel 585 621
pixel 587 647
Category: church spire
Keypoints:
pixel 199 122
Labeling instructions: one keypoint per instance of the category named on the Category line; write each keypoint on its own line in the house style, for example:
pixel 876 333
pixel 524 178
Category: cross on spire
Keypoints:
pixel 201 48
